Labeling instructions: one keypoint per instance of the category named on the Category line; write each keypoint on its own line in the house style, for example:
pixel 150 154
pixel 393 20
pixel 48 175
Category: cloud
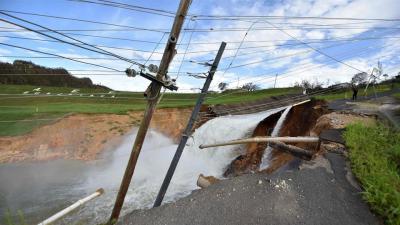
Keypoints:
pixel 263 49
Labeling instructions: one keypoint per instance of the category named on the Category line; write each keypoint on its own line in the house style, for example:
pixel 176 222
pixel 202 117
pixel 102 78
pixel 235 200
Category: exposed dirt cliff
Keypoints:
pixel 308 119
pixel 299 122
pixel 85 136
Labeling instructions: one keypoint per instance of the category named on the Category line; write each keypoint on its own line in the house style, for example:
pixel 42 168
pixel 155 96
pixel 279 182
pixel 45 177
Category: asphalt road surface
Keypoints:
pixel 318 192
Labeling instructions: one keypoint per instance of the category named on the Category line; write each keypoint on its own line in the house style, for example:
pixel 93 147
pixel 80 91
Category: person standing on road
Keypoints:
pixel 355 91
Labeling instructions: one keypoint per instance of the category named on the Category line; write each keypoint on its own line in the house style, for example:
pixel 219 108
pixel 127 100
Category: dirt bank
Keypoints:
pixel 314 127
pixel 308 119
pixel 85 136
pixel 299 121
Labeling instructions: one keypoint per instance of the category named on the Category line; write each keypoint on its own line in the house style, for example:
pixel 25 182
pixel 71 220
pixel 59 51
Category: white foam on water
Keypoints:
pixel 44 188
pixel 154 160
pixel 275 132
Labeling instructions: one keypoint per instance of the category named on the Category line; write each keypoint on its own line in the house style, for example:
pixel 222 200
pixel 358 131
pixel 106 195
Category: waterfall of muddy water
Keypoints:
pixel 42 189
pixel 275 132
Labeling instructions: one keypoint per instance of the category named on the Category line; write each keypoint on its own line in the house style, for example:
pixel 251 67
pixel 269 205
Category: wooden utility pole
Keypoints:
pixel 153 94
pixel 276 77
pixel 188 128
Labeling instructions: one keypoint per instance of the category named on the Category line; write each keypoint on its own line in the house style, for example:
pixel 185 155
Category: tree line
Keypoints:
pixel 41 76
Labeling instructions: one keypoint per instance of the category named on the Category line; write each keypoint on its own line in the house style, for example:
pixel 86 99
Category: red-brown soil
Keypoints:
pixel 299 122
pixel 85 136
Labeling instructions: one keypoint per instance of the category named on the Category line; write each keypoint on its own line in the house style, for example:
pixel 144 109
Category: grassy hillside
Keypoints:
pixel 20 113
pixel 348 94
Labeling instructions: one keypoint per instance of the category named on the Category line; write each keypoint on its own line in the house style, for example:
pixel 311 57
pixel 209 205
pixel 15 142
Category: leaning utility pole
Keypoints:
pixel 153 94
pixel 188 128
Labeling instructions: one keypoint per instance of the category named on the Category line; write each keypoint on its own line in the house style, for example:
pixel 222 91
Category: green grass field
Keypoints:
pixel 348 94
pixel 375 160
pixel 20 114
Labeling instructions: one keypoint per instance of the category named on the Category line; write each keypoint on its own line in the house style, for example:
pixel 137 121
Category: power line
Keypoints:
pixel 60 56
pixel 140 7
pixel 61 74
pixel 193 52
pixel 86 21
pixel 84 30
pixel 187 47
pixel 98 50
pixel 300 26
pixel 285 56
pixel 232 67
pixel 122 74
pixel 306 68
pixel 211 29
pixel 130 7
pixel 281 75
pixel 75 34
pixel 138 50
pixel 210 17
pixel 155 48
pixel 102 46
pixel 315 49
pixel 240 45
pixel 290 28
pixel 155 42
pixel 258 51
pixel 98 58
pixel 243 54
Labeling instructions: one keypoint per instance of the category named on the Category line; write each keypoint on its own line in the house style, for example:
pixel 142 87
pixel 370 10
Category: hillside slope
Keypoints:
pixel 41 76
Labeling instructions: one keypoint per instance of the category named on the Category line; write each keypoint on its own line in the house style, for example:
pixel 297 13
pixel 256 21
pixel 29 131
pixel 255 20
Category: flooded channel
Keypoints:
pixel 41 189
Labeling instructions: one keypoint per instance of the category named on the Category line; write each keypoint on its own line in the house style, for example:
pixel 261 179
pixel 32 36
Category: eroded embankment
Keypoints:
pixel 308 119
pixel 300 121
pixel 85 136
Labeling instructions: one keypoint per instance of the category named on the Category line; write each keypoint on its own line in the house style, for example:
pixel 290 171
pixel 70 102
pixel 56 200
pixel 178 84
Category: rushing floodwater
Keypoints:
pixel 41 189
pixel 275 132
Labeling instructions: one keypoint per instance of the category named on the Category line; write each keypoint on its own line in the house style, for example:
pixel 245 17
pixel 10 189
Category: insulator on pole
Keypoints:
pixel 153 68
pixel 130 72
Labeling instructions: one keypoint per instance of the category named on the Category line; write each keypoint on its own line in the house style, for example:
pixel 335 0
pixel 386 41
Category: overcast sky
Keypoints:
pixel 268 51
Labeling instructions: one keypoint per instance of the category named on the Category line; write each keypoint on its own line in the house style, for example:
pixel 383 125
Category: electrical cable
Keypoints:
pixel 98 50
pixel 315 49
pixel 86 21
pixel 60 56
pixel 187 47
pixel 288 72
pixel 130 7
pixel 155 48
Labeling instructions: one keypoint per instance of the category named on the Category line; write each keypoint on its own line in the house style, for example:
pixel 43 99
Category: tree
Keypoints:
pixel 222 86
pixel 250 87
pixel 305 84
pixel 359 78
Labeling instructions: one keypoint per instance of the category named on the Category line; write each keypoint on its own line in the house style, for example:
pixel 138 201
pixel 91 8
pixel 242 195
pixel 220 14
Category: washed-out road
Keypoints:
pixel 319 192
